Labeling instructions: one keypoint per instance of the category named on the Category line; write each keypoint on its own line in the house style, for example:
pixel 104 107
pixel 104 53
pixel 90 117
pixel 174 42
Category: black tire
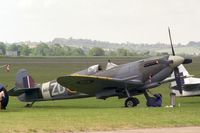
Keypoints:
pixel 28 105
pixel 131 102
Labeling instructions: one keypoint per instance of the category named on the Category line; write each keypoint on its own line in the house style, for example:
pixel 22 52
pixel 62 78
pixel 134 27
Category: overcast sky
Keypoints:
pixel 137 21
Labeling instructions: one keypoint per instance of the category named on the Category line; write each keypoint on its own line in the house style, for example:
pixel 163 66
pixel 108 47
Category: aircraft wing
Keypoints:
pixel 18 91
pixel 92 84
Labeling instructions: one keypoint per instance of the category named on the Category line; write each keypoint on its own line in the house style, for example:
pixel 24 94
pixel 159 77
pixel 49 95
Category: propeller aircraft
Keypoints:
pixel 190 86
pixel 124 81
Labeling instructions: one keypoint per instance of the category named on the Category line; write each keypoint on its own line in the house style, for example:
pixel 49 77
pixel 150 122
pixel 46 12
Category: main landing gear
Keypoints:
pixel 130 101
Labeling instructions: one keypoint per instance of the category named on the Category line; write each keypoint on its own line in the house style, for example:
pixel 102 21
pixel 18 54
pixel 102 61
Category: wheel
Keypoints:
pixel 131 102
pixel 28 105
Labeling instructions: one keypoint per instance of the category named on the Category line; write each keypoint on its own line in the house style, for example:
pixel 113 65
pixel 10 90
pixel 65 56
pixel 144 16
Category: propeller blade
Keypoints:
pixel 178 80
pixel 173 53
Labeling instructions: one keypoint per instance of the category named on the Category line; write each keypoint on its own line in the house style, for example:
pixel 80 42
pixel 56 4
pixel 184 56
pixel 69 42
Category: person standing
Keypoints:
pixel 2 96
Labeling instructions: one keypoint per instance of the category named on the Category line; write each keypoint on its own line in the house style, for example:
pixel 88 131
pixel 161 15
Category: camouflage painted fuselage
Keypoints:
pixel 49 91
pixel 137 76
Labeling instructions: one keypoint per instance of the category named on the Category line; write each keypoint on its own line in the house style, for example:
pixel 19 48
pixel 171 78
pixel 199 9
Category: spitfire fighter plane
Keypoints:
pixel 123 81
pixel 127 80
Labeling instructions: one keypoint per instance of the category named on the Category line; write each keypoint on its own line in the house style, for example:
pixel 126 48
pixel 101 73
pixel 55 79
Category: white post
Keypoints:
pixel 173 99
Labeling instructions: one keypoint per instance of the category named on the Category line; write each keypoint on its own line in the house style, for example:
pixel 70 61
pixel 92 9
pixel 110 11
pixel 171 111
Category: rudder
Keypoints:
pixel 24 80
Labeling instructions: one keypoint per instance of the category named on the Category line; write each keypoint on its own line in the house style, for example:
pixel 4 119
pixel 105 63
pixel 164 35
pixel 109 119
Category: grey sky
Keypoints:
pixel 139 21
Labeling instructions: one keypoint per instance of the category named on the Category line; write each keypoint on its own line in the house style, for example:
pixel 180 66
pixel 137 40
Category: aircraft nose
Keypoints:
pixel 177 60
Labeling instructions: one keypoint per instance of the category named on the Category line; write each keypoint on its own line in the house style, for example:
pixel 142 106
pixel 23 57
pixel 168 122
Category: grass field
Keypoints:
pixel 88 114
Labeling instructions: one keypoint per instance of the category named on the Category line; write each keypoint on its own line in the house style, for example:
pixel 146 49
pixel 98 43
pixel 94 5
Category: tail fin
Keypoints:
pixel 24 80
pixel 183 72
pixel 185 81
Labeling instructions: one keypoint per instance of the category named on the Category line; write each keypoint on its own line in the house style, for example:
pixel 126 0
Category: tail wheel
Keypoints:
pixel 131 102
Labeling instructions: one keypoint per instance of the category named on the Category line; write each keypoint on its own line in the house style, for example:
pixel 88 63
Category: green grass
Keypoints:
pixel 88 114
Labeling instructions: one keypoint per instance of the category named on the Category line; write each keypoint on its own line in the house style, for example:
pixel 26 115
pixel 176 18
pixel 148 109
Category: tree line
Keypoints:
pixel 43 49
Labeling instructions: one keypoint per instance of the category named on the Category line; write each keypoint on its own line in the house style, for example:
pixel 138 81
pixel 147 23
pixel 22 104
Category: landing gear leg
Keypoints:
pixel 149 99
pixel 146 95
pixel 130 101
pixel 28 105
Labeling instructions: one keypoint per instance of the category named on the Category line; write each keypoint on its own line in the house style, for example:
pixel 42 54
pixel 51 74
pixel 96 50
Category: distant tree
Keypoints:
pixel 132 53
pixel 56 50
pixel 77 52
pixel 96 51
pixel 25 50
pixel 146 53
pixel 13 47
pixel 42 50
pixel 112 53
pixel 122 52
pixel 3 48
pixel 67 51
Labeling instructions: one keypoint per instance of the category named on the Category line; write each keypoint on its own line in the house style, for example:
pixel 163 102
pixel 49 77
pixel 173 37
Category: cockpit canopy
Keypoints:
pixel 94 69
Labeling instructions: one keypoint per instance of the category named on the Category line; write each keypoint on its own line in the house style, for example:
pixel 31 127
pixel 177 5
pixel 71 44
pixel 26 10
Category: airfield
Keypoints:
pixel 89 114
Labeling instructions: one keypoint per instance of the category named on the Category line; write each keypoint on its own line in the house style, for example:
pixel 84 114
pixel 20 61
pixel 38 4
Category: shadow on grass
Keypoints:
pixel 191 102
pixel 71 107
pixel 56 107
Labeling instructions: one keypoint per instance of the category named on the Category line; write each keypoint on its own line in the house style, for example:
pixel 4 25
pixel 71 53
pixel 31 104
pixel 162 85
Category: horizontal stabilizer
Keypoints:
pixel 18 91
